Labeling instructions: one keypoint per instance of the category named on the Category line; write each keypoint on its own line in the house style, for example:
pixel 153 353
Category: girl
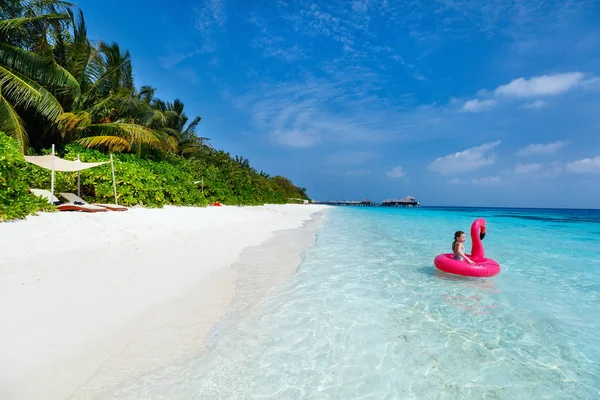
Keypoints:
pixel 458 248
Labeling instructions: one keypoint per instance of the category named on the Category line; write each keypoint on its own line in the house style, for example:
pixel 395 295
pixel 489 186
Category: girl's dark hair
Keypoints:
pixel 456 236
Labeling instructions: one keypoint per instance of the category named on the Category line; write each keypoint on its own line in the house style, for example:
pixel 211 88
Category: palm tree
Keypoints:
pixel 29 75
pixel 242 162
pixel 81 92
pixel 104 115
pixel 176 124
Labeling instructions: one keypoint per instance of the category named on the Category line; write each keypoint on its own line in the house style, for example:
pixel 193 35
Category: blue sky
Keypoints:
pixel 456 102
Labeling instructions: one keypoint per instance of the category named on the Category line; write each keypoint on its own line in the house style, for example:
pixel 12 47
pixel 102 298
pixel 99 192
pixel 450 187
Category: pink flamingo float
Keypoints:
pixel 483 268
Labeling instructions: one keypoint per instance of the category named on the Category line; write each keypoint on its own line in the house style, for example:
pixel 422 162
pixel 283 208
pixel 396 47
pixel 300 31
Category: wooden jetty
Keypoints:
pixel 364 203
pixel 407 201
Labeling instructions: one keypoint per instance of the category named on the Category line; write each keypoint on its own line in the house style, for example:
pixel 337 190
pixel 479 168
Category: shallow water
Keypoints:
pixel 368 316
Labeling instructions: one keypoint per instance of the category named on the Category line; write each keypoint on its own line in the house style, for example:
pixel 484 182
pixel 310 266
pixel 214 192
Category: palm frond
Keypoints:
pixel 166 141
pixel 119 72
pixel 188 149
pixel 40 69
pixel 80 49
pixel 119 104
pixel 170 131
pixel 70 123
pixel 157 118
pixel 131 132
pixel 95 69
pixel 112 143
pixel 177 106
pixel 171 114
pixel 180 122
pixel 159 104
pixel 47 5
pixel 191 128
pixel 9 26
pixel 12 124
pixel 146 94
pixel 27 93
pixel 105 76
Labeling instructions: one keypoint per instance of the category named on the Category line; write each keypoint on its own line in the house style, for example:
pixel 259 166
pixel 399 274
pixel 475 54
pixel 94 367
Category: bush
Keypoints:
pixel 139 182
pixel 165 179
pixel 15 199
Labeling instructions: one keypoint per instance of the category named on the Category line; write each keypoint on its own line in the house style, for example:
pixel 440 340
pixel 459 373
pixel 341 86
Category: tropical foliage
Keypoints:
pixel 15 200
pixel 57 87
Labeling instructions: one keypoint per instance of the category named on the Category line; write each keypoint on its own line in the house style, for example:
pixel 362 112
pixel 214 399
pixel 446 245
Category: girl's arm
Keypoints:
pixel 461 251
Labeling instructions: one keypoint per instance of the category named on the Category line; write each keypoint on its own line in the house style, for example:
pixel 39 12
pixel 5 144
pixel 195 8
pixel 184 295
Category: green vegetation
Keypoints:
pixel 56 87
pixel 15 200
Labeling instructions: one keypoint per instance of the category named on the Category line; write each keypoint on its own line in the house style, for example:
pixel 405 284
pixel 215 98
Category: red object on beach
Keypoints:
pixel 483 268
pixel 217 204
pixel 83 207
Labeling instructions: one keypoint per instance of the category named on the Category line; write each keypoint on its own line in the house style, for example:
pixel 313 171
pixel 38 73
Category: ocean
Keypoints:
pixel 368 316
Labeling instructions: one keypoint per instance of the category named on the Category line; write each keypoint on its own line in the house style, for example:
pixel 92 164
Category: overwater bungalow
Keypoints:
pixel 408 201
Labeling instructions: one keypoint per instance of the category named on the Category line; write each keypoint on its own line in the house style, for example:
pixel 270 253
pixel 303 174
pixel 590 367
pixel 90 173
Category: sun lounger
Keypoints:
pixel 45 194
pixel 66 206
pixel 73 198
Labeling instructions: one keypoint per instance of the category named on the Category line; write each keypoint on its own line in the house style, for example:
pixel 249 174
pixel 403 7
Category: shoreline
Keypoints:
pixel 141 300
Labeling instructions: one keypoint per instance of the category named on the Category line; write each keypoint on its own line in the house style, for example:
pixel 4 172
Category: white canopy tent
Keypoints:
pixel 54 163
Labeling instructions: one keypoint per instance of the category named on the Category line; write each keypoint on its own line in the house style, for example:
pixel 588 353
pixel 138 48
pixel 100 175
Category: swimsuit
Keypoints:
pixel 456 255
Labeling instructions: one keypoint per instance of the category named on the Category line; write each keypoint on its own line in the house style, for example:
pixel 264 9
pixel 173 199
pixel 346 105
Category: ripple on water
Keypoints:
pixel 368 317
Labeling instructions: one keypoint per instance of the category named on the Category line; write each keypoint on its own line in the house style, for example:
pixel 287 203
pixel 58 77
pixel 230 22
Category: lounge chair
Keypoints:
pixel 73 198
pixel 66 206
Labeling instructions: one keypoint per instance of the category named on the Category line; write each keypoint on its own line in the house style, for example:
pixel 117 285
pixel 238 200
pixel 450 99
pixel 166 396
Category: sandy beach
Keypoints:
pixel 89 300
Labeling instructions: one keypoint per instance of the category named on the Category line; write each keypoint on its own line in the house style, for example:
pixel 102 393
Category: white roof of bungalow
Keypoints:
pixel 407 199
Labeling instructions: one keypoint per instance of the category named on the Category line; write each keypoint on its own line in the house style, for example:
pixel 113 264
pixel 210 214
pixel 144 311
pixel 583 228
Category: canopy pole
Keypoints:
pixel 78 180
pixel 52 179
pixel 112 167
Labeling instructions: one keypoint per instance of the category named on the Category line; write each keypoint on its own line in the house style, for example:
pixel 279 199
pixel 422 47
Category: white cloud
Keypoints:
pixel 318 110
pixel 545 85
pixel 171 61
pixel 211 16
pixel 278 47
pixel 537 86
pixel 527 168
pixel 535 105
pixel 396 172
pixel 466 160
pixel 477 105
pixel 360 6
pixel 541 148
pixel 490 180
pixel 294 138
pixel 586 165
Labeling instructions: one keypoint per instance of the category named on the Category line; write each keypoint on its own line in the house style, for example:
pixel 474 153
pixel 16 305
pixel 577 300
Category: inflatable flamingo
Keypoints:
pixel 483 268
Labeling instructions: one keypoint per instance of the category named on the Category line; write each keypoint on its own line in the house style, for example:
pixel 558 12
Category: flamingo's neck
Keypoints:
pixel 477 246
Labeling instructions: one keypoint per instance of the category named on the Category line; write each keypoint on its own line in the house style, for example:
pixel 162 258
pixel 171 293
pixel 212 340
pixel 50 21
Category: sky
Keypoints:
pixel 455 102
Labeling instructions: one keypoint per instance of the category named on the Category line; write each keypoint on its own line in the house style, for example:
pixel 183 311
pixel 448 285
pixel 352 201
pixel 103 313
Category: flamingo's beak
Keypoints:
pixel 482 232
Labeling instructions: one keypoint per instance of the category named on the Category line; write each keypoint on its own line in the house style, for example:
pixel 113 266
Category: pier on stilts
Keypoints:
pixel 407 201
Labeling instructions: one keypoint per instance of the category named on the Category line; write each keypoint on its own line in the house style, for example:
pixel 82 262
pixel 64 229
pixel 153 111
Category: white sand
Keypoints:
pixel 88 299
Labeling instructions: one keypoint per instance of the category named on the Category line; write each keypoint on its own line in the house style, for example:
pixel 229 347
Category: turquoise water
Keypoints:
pixel 368 316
